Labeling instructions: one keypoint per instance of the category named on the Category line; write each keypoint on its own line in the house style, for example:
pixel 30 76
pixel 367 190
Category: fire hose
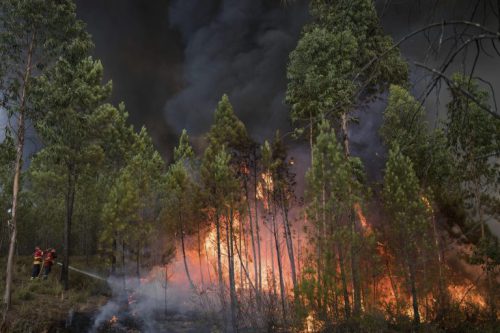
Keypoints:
pixel 71 268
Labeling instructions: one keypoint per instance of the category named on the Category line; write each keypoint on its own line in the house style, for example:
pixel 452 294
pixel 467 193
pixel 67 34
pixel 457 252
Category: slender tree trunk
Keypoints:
pixel 356 280
pixel 86 242
pixel 280 265
pixel 273 274
pixel 491 297
pixel 257 231
pixel 252 237
pixel 240 240
pixel 441 283
pixel 124 281
pixel 289 243
pixel 199 257
pixel 230 257
pixel 219 270
pixel 393 285
pixel 113 257
pixel 138 262
pixel 414 296
pixel 347 303
pixel 17 180
pixel 70 200
pixel 191 283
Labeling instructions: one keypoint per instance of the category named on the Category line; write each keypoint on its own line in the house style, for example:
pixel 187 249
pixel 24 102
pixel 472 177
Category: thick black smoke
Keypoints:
pixel 240 48
pixel 142 54
pixel 171 60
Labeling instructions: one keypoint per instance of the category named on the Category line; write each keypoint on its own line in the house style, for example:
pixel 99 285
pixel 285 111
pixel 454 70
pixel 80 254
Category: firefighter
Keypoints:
pixel 37 262
pixel 48 262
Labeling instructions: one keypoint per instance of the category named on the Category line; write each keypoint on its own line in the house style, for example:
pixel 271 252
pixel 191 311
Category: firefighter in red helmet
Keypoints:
pixel 37 262
pixel 49 260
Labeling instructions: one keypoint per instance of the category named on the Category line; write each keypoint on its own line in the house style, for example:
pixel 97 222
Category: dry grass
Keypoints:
pixel 39 305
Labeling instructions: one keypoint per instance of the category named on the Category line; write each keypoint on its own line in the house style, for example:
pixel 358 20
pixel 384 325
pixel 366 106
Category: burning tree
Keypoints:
pixel 408 216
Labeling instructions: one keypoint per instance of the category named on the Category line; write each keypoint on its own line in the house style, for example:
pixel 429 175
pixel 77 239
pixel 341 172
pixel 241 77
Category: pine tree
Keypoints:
pixel 131 213
pixel 219 170
pixel 328 76
pixel 72 92
pixel 180 200
pixel 474 138
pixel 333 189
pixel 408 216
pixel 405 125
pixel 32 35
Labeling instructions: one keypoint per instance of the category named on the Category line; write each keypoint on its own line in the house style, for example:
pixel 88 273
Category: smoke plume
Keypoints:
pixel 236 47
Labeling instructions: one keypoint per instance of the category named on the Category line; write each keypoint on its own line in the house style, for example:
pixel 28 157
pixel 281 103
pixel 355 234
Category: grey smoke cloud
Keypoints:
pixel 240 48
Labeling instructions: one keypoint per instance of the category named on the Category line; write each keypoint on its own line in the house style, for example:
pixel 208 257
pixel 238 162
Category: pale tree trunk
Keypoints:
pixel 356 280
pixel 232 281
pixel 219 269
pixel 17 180
pixel 257 231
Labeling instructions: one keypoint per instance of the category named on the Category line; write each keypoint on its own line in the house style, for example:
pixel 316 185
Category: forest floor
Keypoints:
pixel 42 305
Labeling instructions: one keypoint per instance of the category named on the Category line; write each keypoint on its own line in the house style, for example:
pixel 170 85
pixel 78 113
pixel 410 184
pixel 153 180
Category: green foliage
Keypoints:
pixel 131 210
pixel 474 138
pixel 227 129
pixel 332 173
pixel 49 29
pixel 319 73
pixel 7 156
pixel 327 74
pixel 227 140
pixel 403 201
pixel 405 125
pixel 182 205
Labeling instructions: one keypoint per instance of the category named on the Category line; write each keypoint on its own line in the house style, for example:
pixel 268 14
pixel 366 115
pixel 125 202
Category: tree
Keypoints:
pixel 7 158
pixel 270 198
pixel 333 189
pixel 221 162
pixel 328 77
pixel 408 216
pixel 32 35
pixel 131 213
pixel 72 92
pixel 474 138
pixel 405 125
pixel 181 205
pixel 283 195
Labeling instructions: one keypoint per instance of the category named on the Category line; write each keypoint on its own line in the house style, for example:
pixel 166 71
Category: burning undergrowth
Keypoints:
pixel 162 301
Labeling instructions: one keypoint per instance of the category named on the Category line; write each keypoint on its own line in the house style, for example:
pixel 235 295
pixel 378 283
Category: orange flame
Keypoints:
pixel 464 295
pixel 362 219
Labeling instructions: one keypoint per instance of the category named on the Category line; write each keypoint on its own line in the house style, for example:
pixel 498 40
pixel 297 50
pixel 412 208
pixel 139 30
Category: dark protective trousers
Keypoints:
pixel 46 271
pixel 35 271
